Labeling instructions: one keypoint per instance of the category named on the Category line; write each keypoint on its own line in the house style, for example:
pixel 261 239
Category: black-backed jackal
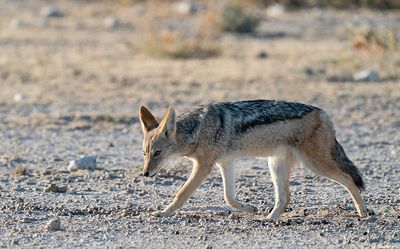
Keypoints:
pixel 219 133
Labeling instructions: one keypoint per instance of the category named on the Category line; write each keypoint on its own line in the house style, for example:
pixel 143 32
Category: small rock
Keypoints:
pixel 262 55
pixel 18 97
pixel 186 7
pixel 51 11
pixel 53 225
pixel 275 10
pixel 26 220
pixel 167 183
pixel 54 188
pixel 84 162
pixel 111 22
pixel 310 71
pixel 366 75
pixel 15 24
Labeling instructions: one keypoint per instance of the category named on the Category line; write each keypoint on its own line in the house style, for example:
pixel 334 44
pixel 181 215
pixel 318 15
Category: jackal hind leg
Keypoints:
pixel 328 168
pixel 280 167
pixel 199 172
pixel 228 177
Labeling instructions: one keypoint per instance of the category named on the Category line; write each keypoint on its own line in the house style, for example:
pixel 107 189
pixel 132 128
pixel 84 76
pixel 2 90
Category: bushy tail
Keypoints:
pixel 346 165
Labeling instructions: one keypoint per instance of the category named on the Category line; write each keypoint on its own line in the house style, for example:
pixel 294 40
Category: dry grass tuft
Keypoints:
pixel 168 45
pixel 239 18
pixel 374 40
pixel 161 38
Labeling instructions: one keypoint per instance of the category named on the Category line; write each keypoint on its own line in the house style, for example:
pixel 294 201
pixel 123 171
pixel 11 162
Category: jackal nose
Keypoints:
pixel 146 174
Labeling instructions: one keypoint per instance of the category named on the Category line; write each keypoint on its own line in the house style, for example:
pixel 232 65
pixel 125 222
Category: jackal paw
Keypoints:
pixel 160 213
pixel 272 217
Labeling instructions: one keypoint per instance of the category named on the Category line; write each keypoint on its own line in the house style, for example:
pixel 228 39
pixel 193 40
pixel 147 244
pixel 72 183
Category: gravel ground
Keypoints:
pixel 73 88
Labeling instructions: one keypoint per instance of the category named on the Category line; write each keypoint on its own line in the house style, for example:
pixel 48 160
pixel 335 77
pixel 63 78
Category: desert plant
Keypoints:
pixel 239 19
pixel 373 39
pixel 180 48
pixel 199 41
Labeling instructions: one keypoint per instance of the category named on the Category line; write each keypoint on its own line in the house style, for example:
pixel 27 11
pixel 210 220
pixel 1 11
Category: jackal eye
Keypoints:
pixel 144 153
pixel 158 152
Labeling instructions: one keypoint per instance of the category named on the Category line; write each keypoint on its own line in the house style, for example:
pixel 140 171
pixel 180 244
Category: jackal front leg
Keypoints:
pixel 228 177
pixel 280 171
pixel 199 172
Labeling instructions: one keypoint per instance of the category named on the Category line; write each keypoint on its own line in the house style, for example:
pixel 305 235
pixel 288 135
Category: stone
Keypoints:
pixel 51 11
pixel 187 7
pixel 84 162
pixel 15 24
pixel 368 75
pixel 275 10
pixel 262 55
pixel 54 188
pixel 18 97
pixel 53 225
pixel 167 183
pixel 111 22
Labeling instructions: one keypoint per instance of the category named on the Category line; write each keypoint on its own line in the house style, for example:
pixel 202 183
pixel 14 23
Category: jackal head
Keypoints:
pixel 159 140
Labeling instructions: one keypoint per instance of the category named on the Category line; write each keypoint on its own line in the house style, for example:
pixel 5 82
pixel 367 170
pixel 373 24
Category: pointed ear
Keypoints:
pixel 147 119
pixel 168 123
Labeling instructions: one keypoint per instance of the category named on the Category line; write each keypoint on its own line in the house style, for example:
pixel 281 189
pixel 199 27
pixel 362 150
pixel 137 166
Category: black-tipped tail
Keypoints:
pixel 347 166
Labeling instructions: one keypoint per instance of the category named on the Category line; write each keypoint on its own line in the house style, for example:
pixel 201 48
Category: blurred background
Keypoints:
pixel 111 56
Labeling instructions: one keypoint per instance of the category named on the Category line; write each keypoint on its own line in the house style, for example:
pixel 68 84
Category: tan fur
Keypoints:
pixel 317 148
pixel 308 140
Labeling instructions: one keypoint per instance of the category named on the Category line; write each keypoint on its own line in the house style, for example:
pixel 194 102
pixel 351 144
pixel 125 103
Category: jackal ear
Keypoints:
pixel 147 119
pixel 168 123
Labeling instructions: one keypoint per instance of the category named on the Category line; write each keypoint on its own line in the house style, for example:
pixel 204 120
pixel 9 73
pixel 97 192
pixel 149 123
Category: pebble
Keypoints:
pixel 50 11
pixel 53 225
pixel 262 55
pixel 166 183
pixel 84 162
pixel 366 75
pixel 111 22
pixel 18 97
pixel 54 188
pixel 26 220
pixel 275 10
pixel 15 24
pixel 186 8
